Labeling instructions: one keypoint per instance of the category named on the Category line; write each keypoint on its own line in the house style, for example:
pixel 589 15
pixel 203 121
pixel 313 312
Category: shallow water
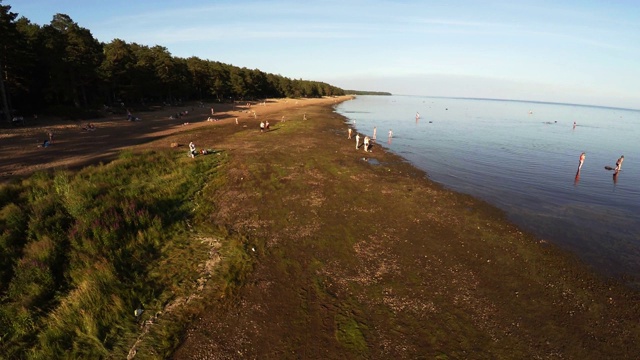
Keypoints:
pixel 523 158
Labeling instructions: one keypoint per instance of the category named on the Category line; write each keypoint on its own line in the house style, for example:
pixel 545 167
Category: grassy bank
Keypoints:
pixel 83 253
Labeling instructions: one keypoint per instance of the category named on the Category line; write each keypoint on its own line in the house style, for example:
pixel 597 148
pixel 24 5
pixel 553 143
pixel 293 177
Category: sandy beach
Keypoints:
pixel 22 153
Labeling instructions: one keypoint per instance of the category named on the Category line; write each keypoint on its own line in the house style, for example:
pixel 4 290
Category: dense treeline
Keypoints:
pixel 60 68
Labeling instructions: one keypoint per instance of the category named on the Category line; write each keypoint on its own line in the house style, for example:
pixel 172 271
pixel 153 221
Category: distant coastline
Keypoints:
pixel 362 92
pixel 516 100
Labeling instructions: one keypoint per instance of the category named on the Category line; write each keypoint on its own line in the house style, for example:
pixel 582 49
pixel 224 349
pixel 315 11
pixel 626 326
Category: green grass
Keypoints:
pixel 349 334
pixel 80 252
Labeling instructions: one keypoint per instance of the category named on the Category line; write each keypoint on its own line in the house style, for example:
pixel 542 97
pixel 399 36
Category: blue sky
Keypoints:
pixel 585 52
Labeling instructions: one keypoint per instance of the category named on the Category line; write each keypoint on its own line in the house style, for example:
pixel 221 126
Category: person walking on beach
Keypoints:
pixel 261 126
pixel 349 131
pixel 50 137
pixel 266 125
pixel 366 143
pixel 619 163
pixel 582 156
pixel 357 141
pixel 375 130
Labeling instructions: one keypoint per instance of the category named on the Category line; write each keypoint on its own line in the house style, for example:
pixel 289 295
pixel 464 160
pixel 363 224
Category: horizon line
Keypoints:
pixel 519 100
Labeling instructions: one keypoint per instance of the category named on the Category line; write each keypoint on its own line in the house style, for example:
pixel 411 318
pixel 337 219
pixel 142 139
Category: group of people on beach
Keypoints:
pixel 193 151
pixel 367 141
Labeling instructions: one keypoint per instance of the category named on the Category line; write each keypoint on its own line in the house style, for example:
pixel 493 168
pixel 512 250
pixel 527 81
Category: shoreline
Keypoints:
pixel 373 259
pixel 539 192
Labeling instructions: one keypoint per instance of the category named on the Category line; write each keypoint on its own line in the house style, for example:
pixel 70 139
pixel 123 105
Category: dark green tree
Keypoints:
pixel 219 82
pixel 200 74
pixel 75 56
pixel 117 70
pixel 9 44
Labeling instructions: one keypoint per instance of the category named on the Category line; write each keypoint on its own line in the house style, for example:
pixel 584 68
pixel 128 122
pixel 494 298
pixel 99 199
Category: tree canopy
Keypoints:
pixel 60 66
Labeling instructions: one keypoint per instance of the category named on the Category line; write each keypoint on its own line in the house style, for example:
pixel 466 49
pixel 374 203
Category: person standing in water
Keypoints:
pixel 582 156
pixel 375 130
pixel 619 163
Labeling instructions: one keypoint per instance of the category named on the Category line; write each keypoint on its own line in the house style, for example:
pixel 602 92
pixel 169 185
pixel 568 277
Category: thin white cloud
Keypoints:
pixel 216 33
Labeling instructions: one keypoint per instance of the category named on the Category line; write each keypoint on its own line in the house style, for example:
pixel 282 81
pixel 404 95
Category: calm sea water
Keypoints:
pixel 523 158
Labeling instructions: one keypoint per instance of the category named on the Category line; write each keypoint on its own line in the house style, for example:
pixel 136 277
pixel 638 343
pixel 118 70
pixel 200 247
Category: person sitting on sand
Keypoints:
pixel 192 149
